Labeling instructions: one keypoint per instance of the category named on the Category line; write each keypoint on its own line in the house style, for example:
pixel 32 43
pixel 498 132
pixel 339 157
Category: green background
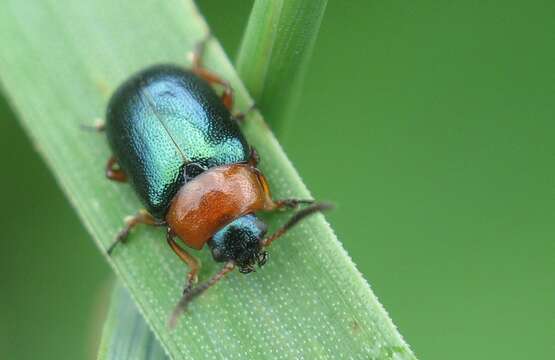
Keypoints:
pixel 428 123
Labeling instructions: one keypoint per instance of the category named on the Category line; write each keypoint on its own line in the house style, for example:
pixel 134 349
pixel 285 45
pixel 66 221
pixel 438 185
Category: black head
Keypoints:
pixel 240 242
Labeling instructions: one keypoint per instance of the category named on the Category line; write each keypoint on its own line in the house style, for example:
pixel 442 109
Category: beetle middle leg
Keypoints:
pixel 114 171
pixel 142 217
pixel 210 77
pixel 192 262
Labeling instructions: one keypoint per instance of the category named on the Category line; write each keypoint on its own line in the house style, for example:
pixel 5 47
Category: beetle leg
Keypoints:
pixel 142 217
pixel 295 219
pixel 210 77
pixel 115 173
pixel 97 126
pixel 192 262
pixel 240 117
pixel 196 291
pixel 254 158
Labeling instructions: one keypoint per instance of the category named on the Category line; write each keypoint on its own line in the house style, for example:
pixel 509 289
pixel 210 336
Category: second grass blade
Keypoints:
pixel 275 52
pixel 126 336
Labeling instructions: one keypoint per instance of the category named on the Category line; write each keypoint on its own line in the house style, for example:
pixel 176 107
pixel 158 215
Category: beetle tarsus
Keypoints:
pixel 240 117
pixel 121 238
pixel 112 247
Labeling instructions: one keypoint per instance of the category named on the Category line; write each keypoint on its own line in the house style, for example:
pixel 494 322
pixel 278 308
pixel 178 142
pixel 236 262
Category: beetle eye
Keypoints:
pixel 262 258
pixel 217 253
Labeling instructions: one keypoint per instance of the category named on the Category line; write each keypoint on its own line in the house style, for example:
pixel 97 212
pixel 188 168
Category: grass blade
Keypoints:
pixel 64 61
pixel 275 52
pixel 126 335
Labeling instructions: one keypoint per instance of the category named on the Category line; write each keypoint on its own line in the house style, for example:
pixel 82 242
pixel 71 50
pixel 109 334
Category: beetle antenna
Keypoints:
pixel 196 291
pixel 295 219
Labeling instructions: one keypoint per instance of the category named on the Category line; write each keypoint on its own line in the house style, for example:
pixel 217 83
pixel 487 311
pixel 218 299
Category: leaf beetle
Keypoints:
pixel 175 140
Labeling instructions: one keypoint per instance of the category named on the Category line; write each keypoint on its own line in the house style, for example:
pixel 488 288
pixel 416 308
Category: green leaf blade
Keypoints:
pixel 309 301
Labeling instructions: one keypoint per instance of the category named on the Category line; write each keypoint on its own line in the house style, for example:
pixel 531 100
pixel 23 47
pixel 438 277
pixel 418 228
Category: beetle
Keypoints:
pixel 175 140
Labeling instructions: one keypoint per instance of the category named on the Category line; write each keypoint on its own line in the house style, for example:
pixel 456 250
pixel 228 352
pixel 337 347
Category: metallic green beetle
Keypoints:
pixel 181 149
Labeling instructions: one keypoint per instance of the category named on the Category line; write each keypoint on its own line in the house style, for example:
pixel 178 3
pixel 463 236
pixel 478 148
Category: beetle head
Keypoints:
pixel 240 242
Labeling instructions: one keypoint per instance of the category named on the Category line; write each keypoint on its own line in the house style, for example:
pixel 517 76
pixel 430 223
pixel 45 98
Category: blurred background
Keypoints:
pixel 430 125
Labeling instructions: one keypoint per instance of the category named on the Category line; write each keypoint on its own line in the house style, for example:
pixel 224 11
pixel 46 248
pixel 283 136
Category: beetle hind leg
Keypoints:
pixel 208 76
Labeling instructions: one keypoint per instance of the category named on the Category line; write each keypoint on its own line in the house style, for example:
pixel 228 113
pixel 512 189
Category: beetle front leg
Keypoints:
pixel 188 296
pixel 192 262
pixel 142 217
